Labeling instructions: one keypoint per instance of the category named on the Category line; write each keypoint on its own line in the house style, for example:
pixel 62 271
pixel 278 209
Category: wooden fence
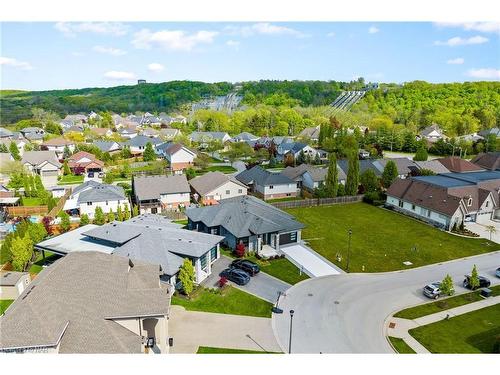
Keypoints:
pixel 27 210
pixel 174 215
pixel 60 204
pixel 317 202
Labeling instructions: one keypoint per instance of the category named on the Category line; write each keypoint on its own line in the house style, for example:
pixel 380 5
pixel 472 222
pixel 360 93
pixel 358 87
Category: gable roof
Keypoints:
pixel 212 180
pixel 294 173
pixel 319 174
pixel 294 147
pixel 363 166
pixel 312 132
pixel 488 160
pixel 245 136
pixel 151 187
pixel 36 158
pixel 456 164
pixel 259 176
pixel 106 146
pixel 432 165
pixel 72 303
pixel 404 165
pixel 429 129
pixel 171 148
pixel 59 141
pixel 101 193
pixel 243 216
pixel 204 136
pixel 142 141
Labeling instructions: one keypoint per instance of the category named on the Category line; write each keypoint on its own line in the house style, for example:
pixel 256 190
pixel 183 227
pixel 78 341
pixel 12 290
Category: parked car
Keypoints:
pixel 236 275
pixel 497 273
pixel 91 175
pixel 249 267
pixel 432 290
pixel 101 174
pixel 483 282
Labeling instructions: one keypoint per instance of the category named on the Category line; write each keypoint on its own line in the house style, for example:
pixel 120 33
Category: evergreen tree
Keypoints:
pixel 99 218
pixel 84 220
pixel 421 154
pixel 66 170
pixel 126 212
pixel 331 182
pixel 3 148
pixel 352 181
pixel 135 210
pixel 369 181
pixel 21 249
pixel 187 276
pixel 301 159
pixel 66 152
pixel 110 217
pixel 317 159
pixel 149 153
pixel 272 161
pixel 474 278
pixel 65 222
pixel 14 151
pixel 119 214
pixel 390 173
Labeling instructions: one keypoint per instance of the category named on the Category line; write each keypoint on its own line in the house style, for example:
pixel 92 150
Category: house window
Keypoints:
pixel 271 187
pixel 469 202
pixel 487 203
pixel 203 262
pixel 400 204
pixel 213 254
pixel 428 213
pixel 293 236
pixel 240 191
pixel 228 192
pixel 288 194
pixel 89 203
pixel 413 207
pixel 106 203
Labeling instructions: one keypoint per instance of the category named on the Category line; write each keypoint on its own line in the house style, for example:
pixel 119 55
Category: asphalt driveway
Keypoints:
pixel 262 285
pixel 346 313
pixel 482 230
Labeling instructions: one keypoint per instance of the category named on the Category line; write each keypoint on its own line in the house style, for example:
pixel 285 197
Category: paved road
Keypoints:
pixel 262 285
pixel 345 313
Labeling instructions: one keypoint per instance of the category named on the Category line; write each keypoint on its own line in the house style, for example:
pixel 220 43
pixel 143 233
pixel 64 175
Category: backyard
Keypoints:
pixel 226 301
pixel 474 332
pixel 4 304
pixel 381 240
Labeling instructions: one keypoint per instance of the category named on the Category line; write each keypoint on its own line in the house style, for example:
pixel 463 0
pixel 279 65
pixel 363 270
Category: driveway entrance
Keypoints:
pixel 483 231
pixel 309 261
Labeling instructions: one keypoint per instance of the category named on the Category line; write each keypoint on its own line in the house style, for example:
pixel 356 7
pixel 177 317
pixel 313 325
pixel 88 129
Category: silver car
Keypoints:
pixel 432 290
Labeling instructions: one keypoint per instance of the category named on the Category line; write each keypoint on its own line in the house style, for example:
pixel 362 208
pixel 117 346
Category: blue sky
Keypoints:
pixel 40 56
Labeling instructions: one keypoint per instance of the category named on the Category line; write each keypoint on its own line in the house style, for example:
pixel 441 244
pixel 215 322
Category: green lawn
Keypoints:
pixel 381 240
pixel 474 332
pixel 281 268
pixel 211 350
pixel 4 303
pixel 30 202
pixel 183 222
pixel 401 346
pixel 214 168
pixel 444 304
pixel 284 199
pixel 70 179
pixel 230 301
pixel 36 267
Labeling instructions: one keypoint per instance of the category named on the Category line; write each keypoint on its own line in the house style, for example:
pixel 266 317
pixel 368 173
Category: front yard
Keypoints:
pixel 229 300
pixel 211 350
pixel 70 180
pixel 381 240
pixel 401 346
pixel 474 332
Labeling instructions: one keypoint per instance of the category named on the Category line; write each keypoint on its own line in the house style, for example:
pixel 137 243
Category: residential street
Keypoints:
pixel 346 313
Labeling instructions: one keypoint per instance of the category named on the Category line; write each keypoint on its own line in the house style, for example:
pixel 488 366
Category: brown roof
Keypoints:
pixel 100 131
pixel 60 141
pixel 456 164
pixel 73 160
pixel 425 195
pixel 490 160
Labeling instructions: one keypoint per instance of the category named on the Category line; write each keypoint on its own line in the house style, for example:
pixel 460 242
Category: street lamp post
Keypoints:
pixel 349 250
pixel 290 339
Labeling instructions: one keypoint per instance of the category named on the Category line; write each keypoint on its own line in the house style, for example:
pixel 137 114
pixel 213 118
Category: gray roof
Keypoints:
pixel 319 174
pixel 204 136
pixel 243 216
pixel 38 157
pixel 10 278
pixel 363 166
pixel 294 147
pixel 102 193
pixel 404 165
pixel 210 181
pixel 151 187
pixel 5 132
pixel 262 177
pixel 294 173
pixel 72 303
pixel 142 141
pixel 312 132
pixel 492 131
pixel 105 146
pixel 432 165
pixel 245 136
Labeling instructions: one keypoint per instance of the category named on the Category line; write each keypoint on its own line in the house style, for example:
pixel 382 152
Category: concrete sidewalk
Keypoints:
pixel 309 261
pixel 402 326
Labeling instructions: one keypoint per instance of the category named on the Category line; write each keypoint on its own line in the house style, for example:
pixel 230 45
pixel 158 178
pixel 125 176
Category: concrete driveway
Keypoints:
pixel 191 329
pixel 346 313
pixel 309 261
pixel 262 285
pixel 481 229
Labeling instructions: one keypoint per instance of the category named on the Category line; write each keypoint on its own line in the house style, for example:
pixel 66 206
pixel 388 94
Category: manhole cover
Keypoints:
pixel 310 294
pixel 392 325
pixel 336 302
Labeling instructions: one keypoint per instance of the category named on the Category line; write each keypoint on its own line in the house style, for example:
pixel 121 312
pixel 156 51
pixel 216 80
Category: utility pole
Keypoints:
pixel 290 339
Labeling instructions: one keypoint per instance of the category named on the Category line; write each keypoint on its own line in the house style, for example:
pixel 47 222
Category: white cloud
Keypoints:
pixel 484 73
pixel 330 35
pixel 373 30
pixel 264 28
pixel 172 39
pixel 108 28
pixel 118 75
pixel 155 67
pixel 14 63
pixel 484 27
pixel 458 41
pixel 457 61
pixel 109 50
pixel 233 43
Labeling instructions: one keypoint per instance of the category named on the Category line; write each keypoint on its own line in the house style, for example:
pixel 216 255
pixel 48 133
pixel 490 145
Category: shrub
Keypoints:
pixel 240 250
pixel 222 282
pixel 371 197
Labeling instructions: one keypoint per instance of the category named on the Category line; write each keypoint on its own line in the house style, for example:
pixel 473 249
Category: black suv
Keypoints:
pixel 250 267
pixel 235 275
pixel 483 282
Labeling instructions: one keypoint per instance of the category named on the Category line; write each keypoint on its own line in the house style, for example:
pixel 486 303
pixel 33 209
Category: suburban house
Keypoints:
pixel 311 133
pixel 267 185
pixel 245 137
pixel 448 199
pixel 487 132
pixel 13 284
pixel 33 134
pixel 203 138
pixel 178 156
pixel 74 129
pixel 260 226
pixel 213 187
pixel 127 132
pixel 404 166
pixel 488 160
pixel 5 160
pixel 430 165
pixel 431 134
pixel 5 133
pixel 148 238
pixel 343 165
pixel 20 143
pixel 314 178
pixel 294 149
pixel 85 162
pixel 169 133
pixel 138 144
pixel 154 194
pixel 44 163
pixel 459 165
pixel 102 132
pixel 58 145
pixel 108 146
pixel 77 119
pixel 473 137
pixel 150 132
pixel 85 198
pixel 91 302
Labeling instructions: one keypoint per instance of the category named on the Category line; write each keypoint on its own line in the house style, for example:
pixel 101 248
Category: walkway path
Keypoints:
pixel 402 326
pixel 309 261
pixel 192 329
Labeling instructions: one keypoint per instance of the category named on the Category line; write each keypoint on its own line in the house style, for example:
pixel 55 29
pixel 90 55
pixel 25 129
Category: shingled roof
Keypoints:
pixel 212 180
pixel 259 176
pixel 456 164
pixel 73 303
pixel 489 160
pixel 151 187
